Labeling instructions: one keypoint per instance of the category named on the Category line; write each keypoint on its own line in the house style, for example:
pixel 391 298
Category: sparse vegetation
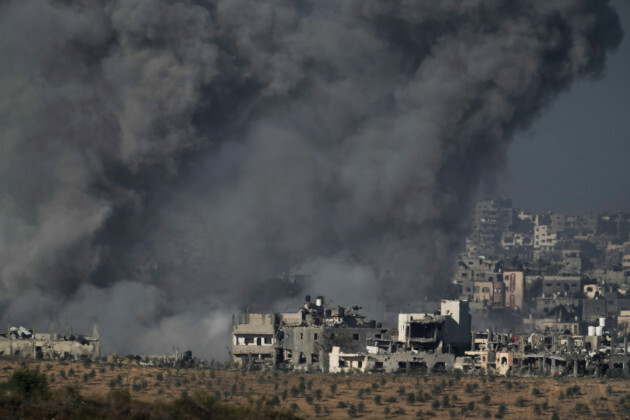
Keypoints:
pixel 303 395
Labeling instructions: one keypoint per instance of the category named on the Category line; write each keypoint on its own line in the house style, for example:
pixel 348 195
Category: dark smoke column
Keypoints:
pixel 161 158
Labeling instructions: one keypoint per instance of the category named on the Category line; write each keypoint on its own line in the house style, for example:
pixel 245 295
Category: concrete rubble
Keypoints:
pixel 21 342
pixel 336 339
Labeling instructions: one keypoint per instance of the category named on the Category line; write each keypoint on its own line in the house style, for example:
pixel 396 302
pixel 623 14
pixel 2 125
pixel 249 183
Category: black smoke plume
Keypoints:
pixel 161 159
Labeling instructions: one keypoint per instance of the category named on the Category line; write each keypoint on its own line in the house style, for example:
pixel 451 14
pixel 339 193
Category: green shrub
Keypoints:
pixel 501 411
pixel 29 383
pixel 573 390
pixel 537 410
pixel 581 408
pixel 486 398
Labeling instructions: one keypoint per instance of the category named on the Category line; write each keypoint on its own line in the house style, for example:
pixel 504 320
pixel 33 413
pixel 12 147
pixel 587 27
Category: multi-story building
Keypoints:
pixel 544 240
pixel 562 286
pixel 254 337
pixel 514 289
pixel 322 338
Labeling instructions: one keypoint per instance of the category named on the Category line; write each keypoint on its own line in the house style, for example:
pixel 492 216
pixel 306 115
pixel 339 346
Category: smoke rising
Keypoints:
pixel 162 160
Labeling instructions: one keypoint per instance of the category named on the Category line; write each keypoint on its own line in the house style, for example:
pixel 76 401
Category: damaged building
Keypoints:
pixel 424 342
pixel 21 342
pixel 549 353
pixel 336 339
pixel 254 338
pixel 302 340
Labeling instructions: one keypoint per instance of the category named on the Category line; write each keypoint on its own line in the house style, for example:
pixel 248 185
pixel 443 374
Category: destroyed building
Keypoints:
pixel 335 339
pixel 301 340
pixel 549 354
pixel 23 343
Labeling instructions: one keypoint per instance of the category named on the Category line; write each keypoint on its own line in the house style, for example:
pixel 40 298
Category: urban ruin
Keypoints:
pixel 336 339
pixel 24 343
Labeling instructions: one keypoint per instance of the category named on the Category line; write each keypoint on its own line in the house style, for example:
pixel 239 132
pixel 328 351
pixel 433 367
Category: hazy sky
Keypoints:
pixel 576 156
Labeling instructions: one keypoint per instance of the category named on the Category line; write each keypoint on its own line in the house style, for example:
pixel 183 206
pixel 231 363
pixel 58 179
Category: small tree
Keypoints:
pixel 29 383
pixel 411 398
pixel 361 407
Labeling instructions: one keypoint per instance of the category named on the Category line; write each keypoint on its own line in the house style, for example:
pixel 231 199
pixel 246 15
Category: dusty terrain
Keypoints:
pixel 363 396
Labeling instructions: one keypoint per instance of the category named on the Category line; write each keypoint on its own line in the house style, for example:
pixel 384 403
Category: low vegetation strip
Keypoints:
pixel 26 394
pixel 65 390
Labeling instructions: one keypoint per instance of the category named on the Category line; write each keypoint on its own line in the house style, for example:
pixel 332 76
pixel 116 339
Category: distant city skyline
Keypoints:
pixel 575 157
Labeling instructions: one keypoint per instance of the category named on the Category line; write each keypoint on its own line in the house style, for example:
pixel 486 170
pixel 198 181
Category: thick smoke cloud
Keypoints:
pixel 163 161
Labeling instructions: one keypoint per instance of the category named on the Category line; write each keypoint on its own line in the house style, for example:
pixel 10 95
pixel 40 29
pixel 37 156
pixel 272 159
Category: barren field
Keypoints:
pixel 368 396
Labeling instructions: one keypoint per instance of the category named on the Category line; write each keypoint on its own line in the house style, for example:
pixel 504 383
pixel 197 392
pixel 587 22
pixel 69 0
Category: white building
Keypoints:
pixel 544 240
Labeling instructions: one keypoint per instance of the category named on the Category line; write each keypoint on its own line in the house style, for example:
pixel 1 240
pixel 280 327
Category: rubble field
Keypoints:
pixel 317 395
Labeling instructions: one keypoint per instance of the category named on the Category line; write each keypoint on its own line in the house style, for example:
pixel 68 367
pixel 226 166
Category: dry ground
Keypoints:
pixel 373 396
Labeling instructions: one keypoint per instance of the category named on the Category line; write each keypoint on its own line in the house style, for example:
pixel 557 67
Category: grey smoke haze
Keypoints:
pixel 162 160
